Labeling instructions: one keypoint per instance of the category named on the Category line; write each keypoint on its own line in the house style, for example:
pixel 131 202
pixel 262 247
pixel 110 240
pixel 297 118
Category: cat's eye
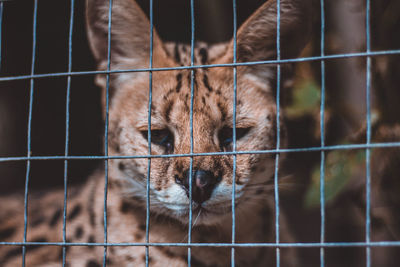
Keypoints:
pixel 225 136
pixel 162 137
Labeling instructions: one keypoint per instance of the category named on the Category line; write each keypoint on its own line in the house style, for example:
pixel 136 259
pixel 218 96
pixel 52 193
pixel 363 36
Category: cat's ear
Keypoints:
pixel 130 34
pixel 256 38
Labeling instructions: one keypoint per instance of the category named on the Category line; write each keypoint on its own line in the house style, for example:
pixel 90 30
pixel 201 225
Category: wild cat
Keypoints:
pixel 169 185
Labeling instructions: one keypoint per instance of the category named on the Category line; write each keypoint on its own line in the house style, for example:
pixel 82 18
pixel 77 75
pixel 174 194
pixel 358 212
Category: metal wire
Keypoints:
pixel 368 141
pixel 233 203
pixel 268 151
pixel 226 65
pixel 67 117
pixel 29 143
pixel 192 42
pixel 225 245
pixel 322 128
pixel 106 129
pixel 278 129
pixel 149 136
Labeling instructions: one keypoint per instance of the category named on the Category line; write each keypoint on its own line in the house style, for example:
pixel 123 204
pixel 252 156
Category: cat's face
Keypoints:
pixel 212 132
pixel 212 117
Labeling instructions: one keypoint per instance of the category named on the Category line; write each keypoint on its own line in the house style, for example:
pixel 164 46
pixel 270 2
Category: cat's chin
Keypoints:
pixel 204 217
pixel 201 216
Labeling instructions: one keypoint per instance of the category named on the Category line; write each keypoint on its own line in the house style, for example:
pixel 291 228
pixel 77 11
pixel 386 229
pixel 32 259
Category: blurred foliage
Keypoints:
pixel 306 99
pixel 340 167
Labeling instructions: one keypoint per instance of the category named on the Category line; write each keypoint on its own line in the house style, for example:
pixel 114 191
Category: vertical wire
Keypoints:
pixel 322 131
pixel 234 132
pixel 191 127
pixel 278 135
pixel 106 130
pixel 29 144
pixel 1 26
pixel 67 117
pixel 149 135
pixel 368 150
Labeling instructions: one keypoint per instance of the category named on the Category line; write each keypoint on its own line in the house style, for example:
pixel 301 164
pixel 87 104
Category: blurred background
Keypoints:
pixel 345 113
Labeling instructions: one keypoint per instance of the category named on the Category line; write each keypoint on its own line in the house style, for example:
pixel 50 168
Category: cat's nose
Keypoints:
pixel 203 183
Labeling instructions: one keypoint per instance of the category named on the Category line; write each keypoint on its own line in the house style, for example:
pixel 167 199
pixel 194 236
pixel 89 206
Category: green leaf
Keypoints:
pixel 340 167
pixel 306 99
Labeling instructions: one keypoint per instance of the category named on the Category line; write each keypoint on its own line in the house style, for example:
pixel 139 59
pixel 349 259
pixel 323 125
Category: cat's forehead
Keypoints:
pixel 210 89
pixel 203 53
pixel 213 98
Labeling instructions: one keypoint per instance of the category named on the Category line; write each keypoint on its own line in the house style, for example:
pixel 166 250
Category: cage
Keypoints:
pixel 342 120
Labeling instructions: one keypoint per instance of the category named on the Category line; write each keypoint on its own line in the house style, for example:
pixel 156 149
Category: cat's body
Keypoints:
pixel 126 223
pixel 212 176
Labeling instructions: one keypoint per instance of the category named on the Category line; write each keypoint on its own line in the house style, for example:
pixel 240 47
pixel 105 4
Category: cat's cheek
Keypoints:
pixel 222 194
pixel 173 197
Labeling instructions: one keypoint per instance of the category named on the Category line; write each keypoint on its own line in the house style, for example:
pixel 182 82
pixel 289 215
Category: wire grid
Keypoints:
pixel 322 148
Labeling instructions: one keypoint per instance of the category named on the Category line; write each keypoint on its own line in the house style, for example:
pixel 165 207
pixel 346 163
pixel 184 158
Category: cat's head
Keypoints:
pixel 213 108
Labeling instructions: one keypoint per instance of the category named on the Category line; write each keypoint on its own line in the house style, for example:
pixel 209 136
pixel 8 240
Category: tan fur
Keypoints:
pixel 212 112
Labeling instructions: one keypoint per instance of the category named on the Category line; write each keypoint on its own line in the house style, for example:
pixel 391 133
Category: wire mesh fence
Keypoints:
pixel 67 157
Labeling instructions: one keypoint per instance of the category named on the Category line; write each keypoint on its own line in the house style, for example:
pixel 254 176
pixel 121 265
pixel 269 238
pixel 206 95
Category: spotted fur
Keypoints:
pixel 212 106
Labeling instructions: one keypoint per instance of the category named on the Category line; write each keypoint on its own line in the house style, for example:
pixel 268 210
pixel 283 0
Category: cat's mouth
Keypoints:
pixel 220 207
pixel 204 211
pixel 210 210
pixel 202 215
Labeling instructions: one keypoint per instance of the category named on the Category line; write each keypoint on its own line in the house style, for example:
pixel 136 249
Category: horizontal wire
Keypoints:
pixel 229 245
pixel 281 61
pixel 272 151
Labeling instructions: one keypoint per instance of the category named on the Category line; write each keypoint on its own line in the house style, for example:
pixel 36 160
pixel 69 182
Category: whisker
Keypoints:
pixel 198 215
pixel 194 223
